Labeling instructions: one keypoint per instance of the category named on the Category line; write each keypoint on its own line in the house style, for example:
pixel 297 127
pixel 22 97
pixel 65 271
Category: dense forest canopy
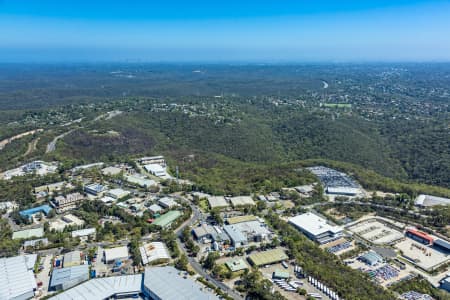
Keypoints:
pixel 392 119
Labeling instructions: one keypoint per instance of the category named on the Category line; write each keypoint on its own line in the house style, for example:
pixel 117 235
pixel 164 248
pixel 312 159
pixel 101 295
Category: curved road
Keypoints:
pixel 193 262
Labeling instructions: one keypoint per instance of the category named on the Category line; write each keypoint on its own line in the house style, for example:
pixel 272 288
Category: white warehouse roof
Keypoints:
pixel 116 253
pixel 16 277
pixel 103 288
pixel 166 283
pixel 153 251
pixel 428 200
pixel 313 224
pixel 83 232
pixel 217 201
pixel 242 200
pixel 155 169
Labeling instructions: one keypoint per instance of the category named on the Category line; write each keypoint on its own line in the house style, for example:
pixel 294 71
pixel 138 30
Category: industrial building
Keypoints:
pixel 95 189
pixel 68 202
pixel 72 258
pixel 155 208
pixel 268 257
pixel 17 280
pixel 278 274
pixel 208 232
pixel 140 181
pixel 65 221
pixel 236 264
pixel 84 232
pixel 254 231
pixel 117 193
pixel 156 170
pixel 428 200
pixel 371 258
pixel 66 278
pixel 419 236
pixel 167 202
pixel 167 219
pixel 156 284
pixel 116 287
pixel 111 171
pixel 242 201
pixel 316 228
pixel 240 219
pixel 342 190
pixel 152 160
pixel 36 242
pixel 442 245
pixel 37 167
pixel 238 239
pixel 28 233
pixel 445 284
pixel 166 283
pixel 113 254
pixel 154 251
pixel 305 190
pixel 217 202
pixel 28 213
pixel 52 187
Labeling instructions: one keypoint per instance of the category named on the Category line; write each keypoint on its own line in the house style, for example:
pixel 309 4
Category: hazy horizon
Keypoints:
pixel 250 32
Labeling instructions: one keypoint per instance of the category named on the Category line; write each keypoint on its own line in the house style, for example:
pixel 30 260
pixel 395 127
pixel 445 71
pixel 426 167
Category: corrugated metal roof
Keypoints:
pixel 28 233
pixel 167 284
pixel 116 253
pixel 442 243
pixel 167 218
pixel 235 234
pixel 60 276
pixel 102 288
pixel 313 224
pixel 16 278
pixel 372 257
pixel 153 251
pixel 268 257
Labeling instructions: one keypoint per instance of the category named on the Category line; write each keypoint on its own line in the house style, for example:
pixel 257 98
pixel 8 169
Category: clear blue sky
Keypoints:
pixel 224 30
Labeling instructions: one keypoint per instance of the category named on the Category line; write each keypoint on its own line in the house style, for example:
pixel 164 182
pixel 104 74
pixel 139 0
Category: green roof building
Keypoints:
pixel 268 257
pixel 236 265
pixel 166 219
pixel 278 274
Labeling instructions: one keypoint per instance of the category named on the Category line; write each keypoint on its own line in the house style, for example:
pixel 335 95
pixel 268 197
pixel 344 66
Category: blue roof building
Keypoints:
pixel 237 237
pixel 442 245
pixel 94 189
pixel 68 277
pixel 29 212
pixel 371 258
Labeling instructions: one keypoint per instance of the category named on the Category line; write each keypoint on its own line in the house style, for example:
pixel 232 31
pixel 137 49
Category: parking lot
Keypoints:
pixel 376 232
pixel 268 272
pixel 339 246
pixel 423 256
pixel 43 276
pixel 384 274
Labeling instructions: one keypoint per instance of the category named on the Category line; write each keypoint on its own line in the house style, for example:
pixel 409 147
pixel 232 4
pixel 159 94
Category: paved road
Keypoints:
pixel 52 145
pixel 197 214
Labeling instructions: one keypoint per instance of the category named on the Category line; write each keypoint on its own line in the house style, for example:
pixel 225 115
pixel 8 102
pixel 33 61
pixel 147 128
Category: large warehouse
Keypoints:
pixel 268 257
pixel 156 283
pixel 16 278
pixel 316 228
pixel 442 245
pixel 68 277
pixel 117 253
pixel 428 200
